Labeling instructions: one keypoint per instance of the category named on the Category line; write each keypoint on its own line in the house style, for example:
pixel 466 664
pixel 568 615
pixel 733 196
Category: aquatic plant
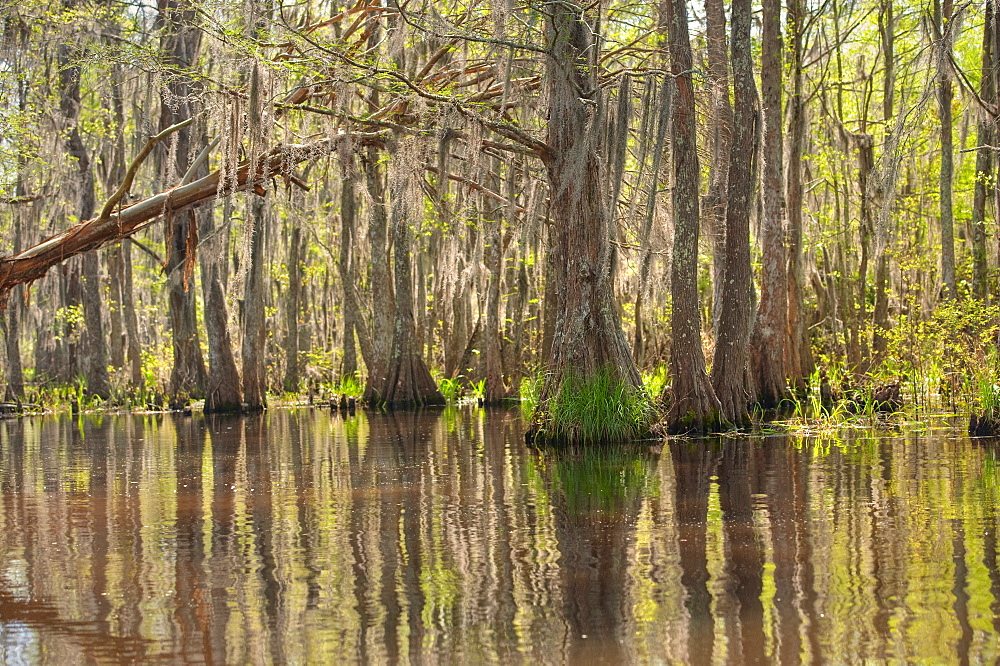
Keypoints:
pixel 451 388
pixel 600 408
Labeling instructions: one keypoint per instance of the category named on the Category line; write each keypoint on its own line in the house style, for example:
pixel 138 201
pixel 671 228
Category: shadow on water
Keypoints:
pixel 306 537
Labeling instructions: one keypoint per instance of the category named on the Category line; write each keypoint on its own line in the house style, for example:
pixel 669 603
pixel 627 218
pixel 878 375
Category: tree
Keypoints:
pixel 768 356
pixel 985 134
pixel 729 365
pixel 941 23
pixel 180 39
pixel 85 280
pixel 693 403
pixel 587 337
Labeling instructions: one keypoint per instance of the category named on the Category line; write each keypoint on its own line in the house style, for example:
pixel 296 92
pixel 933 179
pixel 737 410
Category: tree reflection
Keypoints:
pixel 597 495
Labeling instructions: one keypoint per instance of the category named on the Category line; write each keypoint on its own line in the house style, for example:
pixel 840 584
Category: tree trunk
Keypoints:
pixel 381 284
pixel 729 366
pixel 797 360
pixel 254 323
pixel 408 382
pixel 880 323
pixel 12 327
pixel 354 323
pixel 222 391
pixel 293 304
pixel 587 337
pixel 768 357
pixel 93 355
pixel 693 403
pixel 179 43
pixel 942 10
pixel 714 203
pixel 985 130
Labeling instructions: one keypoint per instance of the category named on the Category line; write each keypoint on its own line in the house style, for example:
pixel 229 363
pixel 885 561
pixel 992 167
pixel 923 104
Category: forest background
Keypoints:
pixel 617 211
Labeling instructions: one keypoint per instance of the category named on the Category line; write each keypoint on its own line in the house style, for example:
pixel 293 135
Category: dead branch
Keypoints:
pixel 31 264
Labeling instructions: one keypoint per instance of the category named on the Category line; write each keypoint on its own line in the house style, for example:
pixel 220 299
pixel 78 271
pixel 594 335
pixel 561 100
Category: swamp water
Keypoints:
pixel 302 537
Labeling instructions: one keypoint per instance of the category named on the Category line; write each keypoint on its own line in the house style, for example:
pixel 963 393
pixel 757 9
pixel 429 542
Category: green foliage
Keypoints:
pixel 655 380
pixel 601 408
pixel 350 385
pixel 530 391
pixel 946 353
pixel 451 389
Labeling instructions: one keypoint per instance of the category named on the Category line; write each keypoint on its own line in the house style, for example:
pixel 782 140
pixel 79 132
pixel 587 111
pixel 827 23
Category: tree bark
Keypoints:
pixel 985 134
pixel 714 202
pixel 179 42
pixel 587 337
pixel 222 391
pixel 797 360
pixel 354 322
pixel 293 305
pixel 729 366
pixel 693 403
pixel 768 357
pixel 382 290
pixel 254 346
pixel 93 355
pixel 942 10
pixel 407 382
pixel 880 323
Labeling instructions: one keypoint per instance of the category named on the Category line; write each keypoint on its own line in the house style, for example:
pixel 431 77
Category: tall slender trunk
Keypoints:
pixel 12 323
pixel 986 132
pixel 714 202
pixel 179 42
pixel 254 323
pixel 797 361
pixel 222 391
pixel 381 283
pixel 293 305
pixel 354 322
pixel 93 355
pixel 768 358
pixel 942 10
pixel 880 342
pixel 729 366
pixel 693 403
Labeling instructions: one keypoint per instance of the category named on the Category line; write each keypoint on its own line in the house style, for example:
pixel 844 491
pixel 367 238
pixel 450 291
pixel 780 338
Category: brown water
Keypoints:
pixel 301 537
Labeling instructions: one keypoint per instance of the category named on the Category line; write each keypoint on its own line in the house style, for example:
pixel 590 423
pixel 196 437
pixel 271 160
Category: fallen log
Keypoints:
pixel 34 262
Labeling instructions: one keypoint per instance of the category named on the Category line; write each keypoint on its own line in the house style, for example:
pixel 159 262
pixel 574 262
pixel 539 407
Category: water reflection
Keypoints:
pixel 299 536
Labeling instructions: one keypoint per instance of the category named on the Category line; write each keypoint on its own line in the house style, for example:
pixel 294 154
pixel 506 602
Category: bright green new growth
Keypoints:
pixel 599 409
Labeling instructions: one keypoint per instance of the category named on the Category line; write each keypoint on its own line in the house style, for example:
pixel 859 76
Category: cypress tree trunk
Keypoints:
pixel 381 285
pixel 354 322
pixel 293 308
pixel 222 391
pixel 714 206
pixel 729 366
pixel 798 355
pixel 254 324
pixel 942 10
pixel 693 403
pixel 587 336
pixel 985 131
pixel 92 351
pixel 407 382
pixel 179 45
pixel 768 357
pixel 881 310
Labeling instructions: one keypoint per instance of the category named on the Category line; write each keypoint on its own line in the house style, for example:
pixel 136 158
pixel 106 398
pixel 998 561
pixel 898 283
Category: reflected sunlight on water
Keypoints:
pixel 298 536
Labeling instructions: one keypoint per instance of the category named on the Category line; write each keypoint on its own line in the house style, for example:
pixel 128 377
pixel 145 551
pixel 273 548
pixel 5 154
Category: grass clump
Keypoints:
pixel 598 409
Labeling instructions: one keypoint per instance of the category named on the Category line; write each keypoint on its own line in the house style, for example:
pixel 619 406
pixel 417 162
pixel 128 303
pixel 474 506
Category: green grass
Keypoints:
pixel 598 409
